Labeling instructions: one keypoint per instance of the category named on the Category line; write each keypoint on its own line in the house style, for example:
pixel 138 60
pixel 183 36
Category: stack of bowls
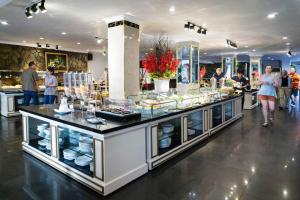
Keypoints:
pixel 85 144
pixel 165 139
pixel 69 154
pixel 41 129
pixel 83 161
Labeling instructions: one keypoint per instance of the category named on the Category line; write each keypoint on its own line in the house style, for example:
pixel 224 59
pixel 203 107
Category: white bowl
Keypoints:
pixel 165 143
pixel 167 128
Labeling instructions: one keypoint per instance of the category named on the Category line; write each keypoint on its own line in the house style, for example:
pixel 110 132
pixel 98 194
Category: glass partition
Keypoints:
pixel 217 115
pixel 228 110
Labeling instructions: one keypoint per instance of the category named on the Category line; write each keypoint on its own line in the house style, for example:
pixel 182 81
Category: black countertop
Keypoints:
pixel 77 118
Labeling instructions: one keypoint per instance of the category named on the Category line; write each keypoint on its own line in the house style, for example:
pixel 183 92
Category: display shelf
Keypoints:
pixel 70 140
pixel 216 115
pixel 195 123
pixel 34 143
pixel 85 169
pixel 228 111
pixel 176 141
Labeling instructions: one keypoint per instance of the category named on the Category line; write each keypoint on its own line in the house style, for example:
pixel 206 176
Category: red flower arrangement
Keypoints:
pixel 161 66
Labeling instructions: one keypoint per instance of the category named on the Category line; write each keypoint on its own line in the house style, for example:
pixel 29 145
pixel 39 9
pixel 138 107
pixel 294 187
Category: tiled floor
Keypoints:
pixel 244 161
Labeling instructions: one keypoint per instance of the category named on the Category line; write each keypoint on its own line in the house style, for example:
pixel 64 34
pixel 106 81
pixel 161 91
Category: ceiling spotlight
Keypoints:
pixel 289 53
pixel 199 30
pixel 99 40
pixel 187 26
pixel 27 13
pixel 104 53
pixel 24 41
pixel 253 50
pixel 64 33
pixel 4 23
pixel 56 47
pixel 172 9
pixel 246 46
pixel 47 45
pixel 231 44
pixel 272 15
pixel 204 31
pixel 41 38
pixel 38 44
pixel 192 26
pixel 78 43
pixel 284 37
pixel 34 9
pixel 42 7
pixel 287 43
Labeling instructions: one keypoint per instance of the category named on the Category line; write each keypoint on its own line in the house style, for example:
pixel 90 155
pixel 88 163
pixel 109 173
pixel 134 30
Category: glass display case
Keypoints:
pixel 228 110
pixel 76 150
pixel 39 135
pixel 169 135
pixel 188 70
pixel 216 115
pixel 195 124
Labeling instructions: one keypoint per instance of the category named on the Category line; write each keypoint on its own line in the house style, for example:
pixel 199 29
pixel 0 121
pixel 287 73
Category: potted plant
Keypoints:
pixel 160 65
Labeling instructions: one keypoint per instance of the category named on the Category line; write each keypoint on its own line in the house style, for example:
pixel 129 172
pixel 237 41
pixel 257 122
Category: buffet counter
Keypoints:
pixel 106 157
pixel 11 99
pixel 251 99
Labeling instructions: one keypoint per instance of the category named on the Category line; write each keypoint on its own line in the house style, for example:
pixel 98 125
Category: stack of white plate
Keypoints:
pixel 69 154
pixel 41 129
pixel 165 143
pixel 85 144
pixel 43 142
pixel 167 128
pixel 83 161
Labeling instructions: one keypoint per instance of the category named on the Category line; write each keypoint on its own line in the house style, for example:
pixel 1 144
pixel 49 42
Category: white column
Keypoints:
pixel 123 57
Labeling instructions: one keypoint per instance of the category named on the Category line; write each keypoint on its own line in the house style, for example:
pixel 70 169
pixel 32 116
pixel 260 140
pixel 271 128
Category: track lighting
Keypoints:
pixel 42 7
pixel 56 47
pixel 104 53
pixel 289 53
pixel 47 45
pixel 38 44
pixel 27 13
pixel 35 8
pixel 231 44
pixel 193 27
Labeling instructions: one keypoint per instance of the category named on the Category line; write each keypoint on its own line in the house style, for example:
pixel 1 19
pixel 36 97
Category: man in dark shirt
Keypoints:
pixel 240 83
pixel 30 86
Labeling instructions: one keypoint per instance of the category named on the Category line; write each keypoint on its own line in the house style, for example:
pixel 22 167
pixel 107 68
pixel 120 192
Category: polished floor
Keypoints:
pixel 244 161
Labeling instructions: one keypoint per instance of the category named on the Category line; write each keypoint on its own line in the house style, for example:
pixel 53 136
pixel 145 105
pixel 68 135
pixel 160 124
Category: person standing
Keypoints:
pixel 267 94
pixel 50 86
pixel 30 86
pixel 295 85
pixel 240 83
pixel 219 77
pixel 284 84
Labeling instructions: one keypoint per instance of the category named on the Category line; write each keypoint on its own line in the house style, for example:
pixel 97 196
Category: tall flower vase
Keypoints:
pixel 161 85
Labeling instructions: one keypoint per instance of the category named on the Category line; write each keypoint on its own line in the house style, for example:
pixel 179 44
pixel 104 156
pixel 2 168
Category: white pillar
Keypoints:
pixel 123 57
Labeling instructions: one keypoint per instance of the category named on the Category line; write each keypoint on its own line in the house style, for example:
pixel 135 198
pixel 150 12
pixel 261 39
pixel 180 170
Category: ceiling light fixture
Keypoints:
pixel 99 40
pixel 63 33
pixel 34 9
pixel 47 45
pixel 42 7
pixel 172 9
pixel 24 41
pixel 287 43
pixel 104 53
pixel 284 37
pixel 289 53
pixel 27 13
pixel 78 43
pixel 4 23
pixel 231 44
pixel 193 27
pixel 56 47
pixel 41 38
pixel 272 15
pixel 38 44
pixel 253 50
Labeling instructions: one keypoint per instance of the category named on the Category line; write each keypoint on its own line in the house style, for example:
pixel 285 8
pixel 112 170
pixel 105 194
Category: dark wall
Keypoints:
pixel 14 57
